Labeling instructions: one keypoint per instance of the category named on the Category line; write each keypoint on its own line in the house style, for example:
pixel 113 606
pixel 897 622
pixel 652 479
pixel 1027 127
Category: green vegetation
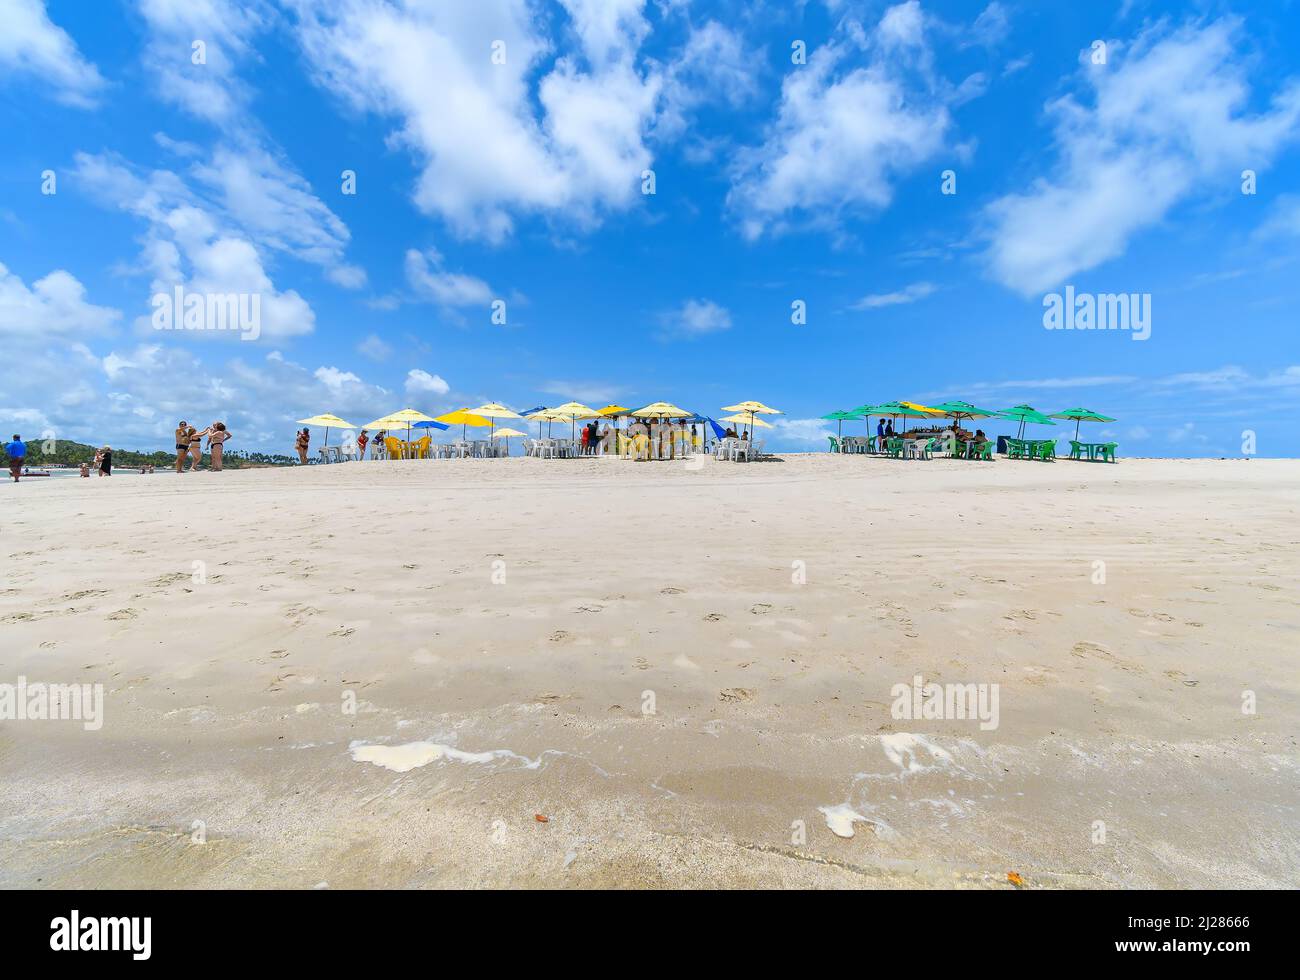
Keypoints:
pixel 51 452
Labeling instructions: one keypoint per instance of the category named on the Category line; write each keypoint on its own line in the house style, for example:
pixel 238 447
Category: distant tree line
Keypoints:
pixel 65 452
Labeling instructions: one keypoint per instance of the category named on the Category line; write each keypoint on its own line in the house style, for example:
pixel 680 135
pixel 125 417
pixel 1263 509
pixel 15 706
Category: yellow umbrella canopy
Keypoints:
pixel 613 411
pixel 740 418
pixel 329 421
pixel 571 411
pixel 463 417
pixel 661 410
pixel 752 408
pixel 506 433
pixel 494 410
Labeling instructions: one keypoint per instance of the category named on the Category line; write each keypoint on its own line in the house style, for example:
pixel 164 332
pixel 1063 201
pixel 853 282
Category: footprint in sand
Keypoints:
pixel 714 618
pixel 761 608
pixel 559 636
pixel 124 614
pixel 671 591
pixel 737 694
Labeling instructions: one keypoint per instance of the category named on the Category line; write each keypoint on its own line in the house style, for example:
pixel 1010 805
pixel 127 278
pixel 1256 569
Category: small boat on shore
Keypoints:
pixel 27 473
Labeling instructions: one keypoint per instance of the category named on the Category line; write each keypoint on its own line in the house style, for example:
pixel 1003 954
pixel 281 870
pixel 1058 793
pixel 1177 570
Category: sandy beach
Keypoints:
pixel 384 674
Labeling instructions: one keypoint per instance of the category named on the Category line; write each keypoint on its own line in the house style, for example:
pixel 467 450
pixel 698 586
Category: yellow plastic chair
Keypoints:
pixel 421 447
pixel 396 448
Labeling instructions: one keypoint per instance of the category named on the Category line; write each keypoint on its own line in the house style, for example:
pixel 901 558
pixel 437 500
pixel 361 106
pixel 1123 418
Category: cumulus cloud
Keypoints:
pixel 423 383
pixel 697 317
pixel 187 245
pixel 430 281
pixel 1167 116
pixel 844 135
pixel 562 138
pixel 54 305
pixel 32 45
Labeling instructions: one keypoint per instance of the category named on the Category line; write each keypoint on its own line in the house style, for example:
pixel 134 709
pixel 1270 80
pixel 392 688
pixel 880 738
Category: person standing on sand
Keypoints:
pixel 182 445
pixel 105 456
pixel 99 458
pixel 301 444
pixel 17 451
pixel 196 445
pixel 361 444
pixel 217 436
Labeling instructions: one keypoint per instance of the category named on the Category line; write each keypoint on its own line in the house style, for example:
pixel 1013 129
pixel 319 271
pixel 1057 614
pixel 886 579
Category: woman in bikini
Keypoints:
pixel 196 445
pixel 217 436
pixel 301 443
pixel 182 445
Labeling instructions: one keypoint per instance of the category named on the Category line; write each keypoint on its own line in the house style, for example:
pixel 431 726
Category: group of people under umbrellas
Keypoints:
pixel 664 425
pixel 959 411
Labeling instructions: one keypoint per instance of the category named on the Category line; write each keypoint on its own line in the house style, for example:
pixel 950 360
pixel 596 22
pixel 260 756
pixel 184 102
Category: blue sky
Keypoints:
pixel 518 180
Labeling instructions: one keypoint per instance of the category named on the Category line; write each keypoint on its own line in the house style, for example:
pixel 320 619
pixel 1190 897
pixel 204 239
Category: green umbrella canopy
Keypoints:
pixel 841 418
pixel 1082 415
pixel 966 410
pixel 1026 413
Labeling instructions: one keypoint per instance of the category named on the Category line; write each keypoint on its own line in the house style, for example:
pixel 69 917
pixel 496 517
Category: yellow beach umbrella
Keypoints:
pixel 406 417
pixel 572 411
pixel 752 408
pixel 494 410
pixel 505 433
pixel 740 418
pixel 661 410
pixel 613 412
pixel 463 417
pixel 329 421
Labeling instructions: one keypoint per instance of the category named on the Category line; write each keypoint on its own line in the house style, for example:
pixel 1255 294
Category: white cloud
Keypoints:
pixel 375 348
pixel 563 139
pixel 54 305
pixel 32 45
pixel 275 207
pixel 802 430
pixel 843 136
pixel 909 294
pixel 591 393
pixel 429 281
pixel 423 383
pixel 1167 117
pixel 713 65
pixel 213 90
pixel 697 317
pixel 187 246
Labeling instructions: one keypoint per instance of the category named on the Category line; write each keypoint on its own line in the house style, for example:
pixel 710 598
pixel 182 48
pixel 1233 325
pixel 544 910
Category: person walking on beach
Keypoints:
pixel 361 444
pixel 182 444
pixel 105 457
pixel 217 436
pixel 17 451
pixel 301 443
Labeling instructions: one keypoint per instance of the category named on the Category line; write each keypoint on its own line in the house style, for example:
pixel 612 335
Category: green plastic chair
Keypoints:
pixel 1015 449
pixel 894 448
pixel 1076 449
pixel 835 444
pixel 1107 451
pixel 1047 449
pixel 983 450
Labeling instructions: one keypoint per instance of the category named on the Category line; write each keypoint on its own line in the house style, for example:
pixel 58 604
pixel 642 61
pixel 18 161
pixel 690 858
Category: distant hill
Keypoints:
pixel 69 453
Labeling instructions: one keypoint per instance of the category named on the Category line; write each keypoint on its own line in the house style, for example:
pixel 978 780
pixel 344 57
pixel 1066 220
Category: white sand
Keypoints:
pixel 482 705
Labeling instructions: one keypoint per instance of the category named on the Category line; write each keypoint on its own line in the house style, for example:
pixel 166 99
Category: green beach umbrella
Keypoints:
pixel 841 417
pixel 965 410
pixel 1081 415
pixel 1023 414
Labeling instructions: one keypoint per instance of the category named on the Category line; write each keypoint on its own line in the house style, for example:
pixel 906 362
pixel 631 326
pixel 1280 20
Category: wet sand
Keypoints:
pixel 381 674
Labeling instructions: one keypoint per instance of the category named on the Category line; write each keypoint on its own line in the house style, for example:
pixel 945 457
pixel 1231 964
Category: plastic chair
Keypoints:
pixel 835 445
pixel 1107 451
